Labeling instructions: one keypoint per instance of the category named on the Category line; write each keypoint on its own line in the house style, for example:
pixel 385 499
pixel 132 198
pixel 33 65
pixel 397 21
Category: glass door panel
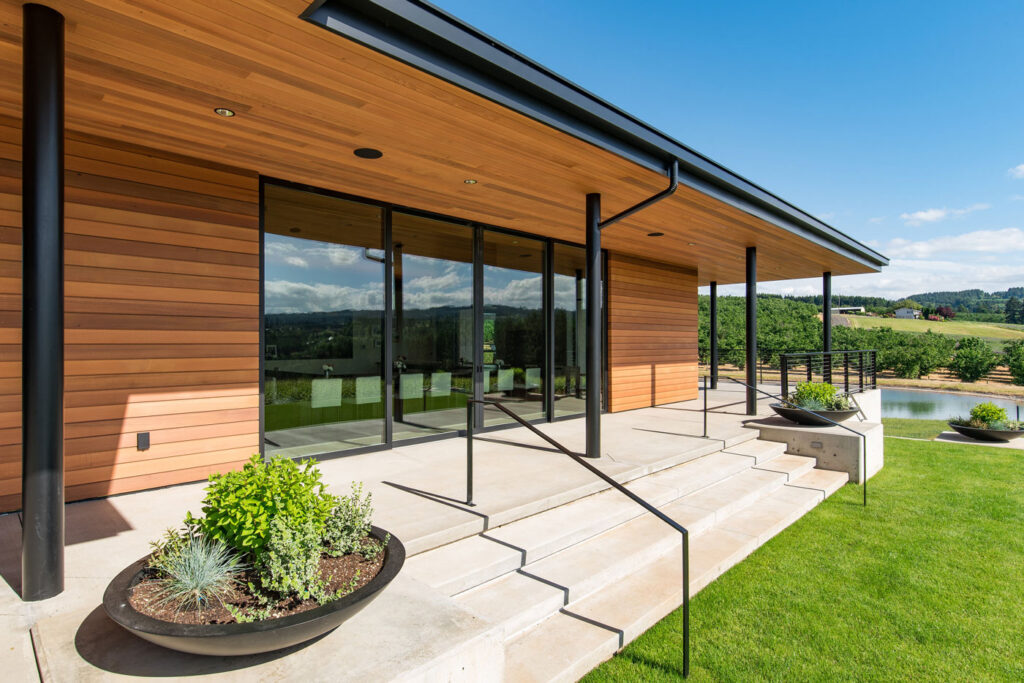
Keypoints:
pixel 570 272
pixel 513 321
pixel 433 315
pixel 323 322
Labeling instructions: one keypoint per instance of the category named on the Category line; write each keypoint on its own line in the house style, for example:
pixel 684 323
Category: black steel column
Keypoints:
pixel 826 325
pixel 549 331
pixel 594 354
pixel 42 377
pixel 751 330
pixel 388 347
pixel 478 324
pixel 713 334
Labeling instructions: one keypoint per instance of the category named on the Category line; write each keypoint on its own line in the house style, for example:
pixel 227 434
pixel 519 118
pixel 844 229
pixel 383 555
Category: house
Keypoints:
pixel 316 230
pixel 906 313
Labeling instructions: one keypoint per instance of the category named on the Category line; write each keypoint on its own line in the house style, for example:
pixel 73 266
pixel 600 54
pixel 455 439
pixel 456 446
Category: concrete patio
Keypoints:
pixel 418 492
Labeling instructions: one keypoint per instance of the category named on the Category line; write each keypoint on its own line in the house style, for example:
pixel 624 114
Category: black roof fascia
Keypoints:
pixel 427 38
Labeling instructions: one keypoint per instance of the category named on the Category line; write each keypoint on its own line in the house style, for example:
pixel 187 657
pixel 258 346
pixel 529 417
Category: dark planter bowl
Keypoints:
pixel 246 639
pixel 814 418
pixel 1001 435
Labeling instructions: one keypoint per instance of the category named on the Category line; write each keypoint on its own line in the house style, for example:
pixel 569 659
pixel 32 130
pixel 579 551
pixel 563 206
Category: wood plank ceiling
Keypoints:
pixel 151 72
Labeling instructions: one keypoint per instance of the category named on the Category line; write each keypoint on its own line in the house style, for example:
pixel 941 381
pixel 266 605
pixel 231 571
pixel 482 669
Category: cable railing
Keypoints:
pixel 858 369
pixel 863 437
pixel 608 480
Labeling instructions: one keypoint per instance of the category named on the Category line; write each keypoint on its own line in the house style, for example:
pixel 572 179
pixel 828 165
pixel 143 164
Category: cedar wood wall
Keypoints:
pixel 652 333
pixel 161 317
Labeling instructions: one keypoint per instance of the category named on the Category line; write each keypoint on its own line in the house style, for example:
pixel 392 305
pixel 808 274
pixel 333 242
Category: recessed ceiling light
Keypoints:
pixel 655 234
pixel 470 181
pixel 692 244
pixel 222 111
pixel 368 153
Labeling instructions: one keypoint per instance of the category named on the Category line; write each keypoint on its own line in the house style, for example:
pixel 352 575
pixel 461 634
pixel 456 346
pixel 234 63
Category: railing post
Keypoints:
pixel 846 371
pixel 860 371
pixel 686 604
pixel 713 334
pixel 705 406
pixel 874 369
pixel 469 452
pixel 810 370
pixel 784 363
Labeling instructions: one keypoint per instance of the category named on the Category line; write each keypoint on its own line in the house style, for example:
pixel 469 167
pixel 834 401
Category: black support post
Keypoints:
pixel 478 325
pixel 713 334
pixel 594 351
pixel 42 388
pixel 826 325
pixel 751 330
pixel 549 332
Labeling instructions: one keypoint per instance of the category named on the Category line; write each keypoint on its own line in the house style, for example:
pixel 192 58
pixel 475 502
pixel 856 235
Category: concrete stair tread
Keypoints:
pixel 758 449
pixel 826 481
pixel 791 465
pixel 533 538
pixel 626 608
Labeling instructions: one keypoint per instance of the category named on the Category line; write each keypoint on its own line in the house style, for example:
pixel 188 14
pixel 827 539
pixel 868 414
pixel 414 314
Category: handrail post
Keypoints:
pixel 705 406
pixel 686 604
pixel 874 368
pixel 784 363
pixel 469 452
pixel 846 371
pixel 860 371
pixel 810 370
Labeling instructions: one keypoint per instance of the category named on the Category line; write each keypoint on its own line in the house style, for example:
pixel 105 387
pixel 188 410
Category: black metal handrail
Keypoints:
pixel 866 367
pixel 864 438
pixel 608 480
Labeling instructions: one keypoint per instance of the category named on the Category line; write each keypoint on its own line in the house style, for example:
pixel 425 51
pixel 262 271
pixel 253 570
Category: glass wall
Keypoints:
pixel 570 273
pixel 514 325
pixel 326 355
pixel 323 322
pixel 433 318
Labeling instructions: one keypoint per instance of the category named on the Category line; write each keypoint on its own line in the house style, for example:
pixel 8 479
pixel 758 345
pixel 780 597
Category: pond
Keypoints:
pixel 937 405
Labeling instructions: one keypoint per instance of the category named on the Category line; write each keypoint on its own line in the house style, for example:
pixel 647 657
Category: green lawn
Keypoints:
pixel 914 429
pixel 927 583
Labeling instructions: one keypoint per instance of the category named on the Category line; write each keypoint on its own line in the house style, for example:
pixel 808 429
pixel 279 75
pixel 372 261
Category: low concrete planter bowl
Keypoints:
pixel 814 418
pixel 979 434
pixel 246 639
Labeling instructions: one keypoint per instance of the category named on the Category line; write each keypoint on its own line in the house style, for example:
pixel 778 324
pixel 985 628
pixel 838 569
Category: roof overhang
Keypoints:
pixel 427 38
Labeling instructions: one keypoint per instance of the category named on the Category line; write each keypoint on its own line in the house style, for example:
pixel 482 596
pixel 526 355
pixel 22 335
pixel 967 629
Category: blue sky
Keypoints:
pixel 900 123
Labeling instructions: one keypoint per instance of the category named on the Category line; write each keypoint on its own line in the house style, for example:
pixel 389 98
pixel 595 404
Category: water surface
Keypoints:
pixel 937 405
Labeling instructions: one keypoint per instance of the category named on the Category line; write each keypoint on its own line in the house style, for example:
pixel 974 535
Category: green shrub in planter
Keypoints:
pixel 819 396
pixel 988 413
pixel 240 507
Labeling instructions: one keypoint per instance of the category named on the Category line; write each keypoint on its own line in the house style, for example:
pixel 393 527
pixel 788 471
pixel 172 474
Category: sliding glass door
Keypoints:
pixel 323 319
pixel 379 324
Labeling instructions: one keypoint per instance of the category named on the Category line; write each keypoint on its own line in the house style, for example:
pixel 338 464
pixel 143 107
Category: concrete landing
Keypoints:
pixel 833 447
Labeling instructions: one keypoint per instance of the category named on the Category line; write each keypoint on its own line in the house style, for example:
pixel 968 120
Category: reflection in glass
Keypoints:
pixel 323 322
pixel 513 324
pixel 433 313
pixel 570 269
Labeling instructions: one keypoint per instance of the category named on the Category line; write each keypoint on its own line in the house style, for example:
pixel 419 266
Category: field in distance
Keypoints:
pixel 952 328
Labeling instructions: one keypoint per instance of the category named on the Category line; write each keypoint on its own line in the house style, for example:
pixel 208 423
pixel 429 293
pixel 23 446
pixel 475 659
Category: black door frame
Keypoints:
pixel 478 229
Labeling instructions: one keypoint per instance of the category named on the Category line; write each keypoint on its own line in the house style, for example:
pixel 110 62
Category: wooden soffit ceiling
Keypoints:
pixel 150 73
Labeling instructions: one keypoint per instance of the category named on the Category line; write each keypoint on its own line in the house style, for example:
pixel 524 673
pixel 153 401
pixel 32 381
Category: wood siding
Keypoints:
pixel 161 317
pixel 652 333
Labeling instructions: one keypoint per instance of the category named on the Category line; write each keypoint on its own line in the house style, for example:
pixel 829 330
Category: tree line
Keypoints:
pixel 787 325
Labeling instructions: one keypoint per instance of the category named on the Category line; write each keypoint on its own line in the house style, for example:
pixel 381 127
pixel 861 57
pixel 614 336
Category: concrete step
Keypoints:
pixel 591 565
pixel 585 632
pixel 469 562
pixel 760 451
pixel 793 466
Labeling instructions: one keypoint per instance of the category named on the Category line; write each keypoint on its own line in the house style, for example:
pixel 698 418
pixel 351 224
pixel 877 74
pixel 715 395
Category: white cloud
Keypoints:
pixel 283 296
pixel 979 241
pixel 933 215
pixel 827 216
pixel 296 261
pixel 1017 197
pixel 1017 172
pixel 876 219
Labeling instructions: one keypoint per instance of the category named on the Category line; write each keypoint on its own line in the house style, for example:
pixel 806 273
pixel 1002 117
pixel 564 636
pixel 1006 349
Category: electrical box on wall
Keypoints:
pixel 142 441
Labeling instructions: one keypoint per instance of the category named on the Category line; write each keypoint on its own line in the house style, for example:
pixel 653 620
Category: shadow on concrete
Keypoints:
pixel 84 522
pixel 443 500
pixel 107 646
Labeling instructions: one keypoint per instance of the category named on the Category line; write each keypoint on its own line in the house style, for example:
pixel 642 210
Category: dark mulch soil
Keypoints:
pixel 337 571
